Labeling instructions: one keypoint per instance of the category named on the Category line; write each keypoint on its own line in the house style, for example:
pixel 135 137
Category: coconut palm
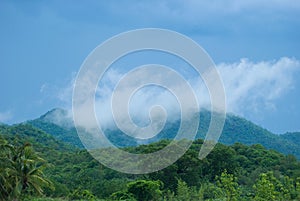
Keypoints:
pixel 21 171
pixel 5 169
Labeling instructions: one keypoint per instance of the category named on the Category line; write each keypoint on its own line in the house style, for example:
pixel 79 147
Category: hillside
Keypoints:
pixel 292 137
pixel 76 174
pixel 237 129
pixel 58 123
pixel 22 133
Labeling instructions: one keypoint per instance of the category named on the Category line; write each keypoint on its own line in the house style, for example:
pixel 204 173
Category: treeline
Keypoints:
pixel 236 172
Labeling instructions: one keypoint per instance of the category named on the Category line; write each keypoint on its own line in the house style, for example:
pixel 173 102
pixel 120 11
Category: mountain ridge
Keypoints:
pixel 236 130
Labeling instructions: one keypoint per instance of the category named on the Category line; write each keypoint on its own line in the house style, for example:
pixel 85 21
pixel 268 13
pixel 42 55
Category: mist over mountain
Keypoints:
pixel 58 122
pixel 71 169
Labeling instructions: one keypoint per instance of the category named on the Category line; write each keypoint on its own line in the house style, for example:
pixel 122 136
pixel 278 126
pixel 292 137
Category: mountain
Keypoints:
pixel 23 133
pixel 237 129
pixel 293 137
pixel 76 175
pixel 58 123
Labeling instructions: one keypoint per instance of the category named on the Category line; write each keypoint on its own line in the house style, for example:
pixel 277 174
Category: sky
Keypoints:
pixel 254 44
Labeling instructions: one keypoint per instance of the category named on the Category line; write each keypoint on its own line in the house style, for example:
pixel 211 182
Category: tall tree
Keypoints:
pixel 5 170
pixel 265 187
pixel 228 183
pixel 21 171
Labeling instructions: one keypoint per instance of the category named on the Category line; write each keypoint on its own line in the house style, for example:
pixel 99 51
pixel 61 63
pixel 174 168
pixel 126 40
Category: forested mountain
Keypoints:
pixel 58 123
pixel 238 129
pixel 292 137
pixel 235 172
pixel 21 133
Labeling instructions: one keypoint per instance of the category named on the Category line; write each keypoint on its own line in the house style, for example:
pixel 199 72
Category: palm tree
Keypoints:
pixel 5 170
pixel 21 171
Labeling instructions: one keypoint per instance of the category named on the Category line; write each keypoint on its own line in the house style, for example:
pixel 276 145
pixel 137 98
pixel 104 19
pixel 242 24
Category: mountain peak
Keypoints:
pixel 59 117
pixel 53 112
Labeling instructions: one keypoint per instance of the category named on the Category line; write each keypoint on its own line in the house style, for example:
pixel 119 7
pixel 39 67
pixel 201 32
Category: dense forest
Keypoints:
pixel 36 166
pixel 58 123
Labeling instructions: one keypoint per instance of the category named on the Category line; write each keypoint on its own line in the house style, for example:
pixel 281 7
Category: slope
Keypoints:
pixel 58 123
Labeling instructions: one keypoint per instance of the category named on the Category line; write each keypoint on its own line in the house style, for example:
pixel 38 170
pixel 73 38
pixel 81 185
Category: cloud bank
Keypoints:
pixel 253 86
pixel 249 87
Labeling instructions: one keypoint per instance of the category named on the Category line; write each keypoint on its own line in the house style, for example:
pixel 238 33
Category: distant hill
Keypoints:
pixel 3 124
pixel 237 129
pixel 293 137
pixel 58 123
pixel 22 133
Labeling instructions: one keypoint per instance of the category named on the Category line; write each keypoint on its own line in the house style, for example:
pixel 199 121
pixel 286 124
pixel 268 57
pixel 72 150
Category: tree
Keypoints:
pixel 183 191
pixel 5 170
pixel 21 171
pixel 228 184
pixel 122 195
pixel 287 189
pixel 221 158
pixel 298 187
pixel 145 190
pixel 210 191
pixel 265 188
pixel 79 194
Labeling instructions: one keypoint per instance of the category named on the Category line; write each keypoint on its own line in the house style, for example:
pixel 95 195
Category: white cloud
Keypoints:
pixel 64 94
pixel 249 87
pixel 43 87
pixel 5 116
pixel 256 86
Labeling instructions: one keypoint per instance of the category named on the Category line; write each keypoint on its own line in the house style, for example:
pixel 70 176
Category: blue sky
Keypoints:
pixel 43 44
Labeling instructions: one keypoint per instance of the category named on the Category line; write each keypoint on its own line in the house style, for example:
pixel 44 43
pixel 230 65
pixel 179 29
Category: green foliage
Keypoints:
pixel 236 129
pixel 140 190
pixel 43 142
pixel 145 190
pixel 184 192
pixel 210 191
pixel 68 135
pixel 228 184
pixel 73 171
pixel 21 171
pixel 240 130
pixel 265 187
pixel 298 188
pixel 79 194
pixel 286 188
pixel 122 195
pixel 293 137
